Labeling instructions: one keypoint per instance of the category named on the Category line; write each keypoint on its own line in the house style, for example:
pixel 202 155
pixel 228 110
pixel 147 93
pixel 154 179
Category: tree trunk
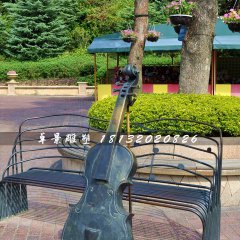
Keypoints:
pixel 197 49
pixel 140 27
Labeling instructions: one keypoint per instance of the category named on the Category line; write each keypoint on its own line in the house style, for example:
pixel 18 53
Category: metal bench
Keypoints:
pixel 36 164
pixel 202 199
pixel 172 170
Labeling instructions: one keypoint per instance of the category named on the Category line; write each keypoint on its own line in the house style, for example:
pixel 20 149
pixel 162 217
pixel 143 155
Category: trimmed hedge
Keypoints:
pixel 78 65
pixel 220 111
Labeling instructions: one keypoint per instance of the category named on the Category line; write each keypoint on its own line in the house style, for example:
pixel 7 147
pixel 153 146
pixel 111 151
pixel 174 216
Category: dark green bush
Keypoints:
pixel 87 69
pixel 221 111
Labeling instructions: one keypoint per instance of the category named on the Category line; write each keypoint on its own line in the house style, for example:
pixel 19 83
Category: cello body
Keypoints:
pixel 109 168
pixel 100 214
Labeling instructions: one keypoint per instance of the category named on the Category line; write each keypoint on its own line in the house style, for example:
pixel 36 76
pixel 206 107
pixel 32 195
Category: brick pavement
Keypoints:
pixel 48 209
pixel 14 109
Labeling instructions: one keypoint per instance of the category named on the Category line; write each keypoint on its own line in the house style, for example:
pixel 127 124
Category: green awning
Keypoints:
pixel 112 43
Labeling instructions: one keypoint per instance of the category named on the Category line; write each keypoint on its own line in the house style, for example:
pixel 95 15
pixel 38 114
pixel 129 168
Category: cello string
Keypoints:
pixel 128 146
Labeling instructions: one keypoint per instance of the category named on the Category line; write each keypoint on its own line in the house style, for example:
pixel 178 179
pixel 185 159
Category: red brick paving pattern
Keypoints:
pixel 48 210
pixel 44 221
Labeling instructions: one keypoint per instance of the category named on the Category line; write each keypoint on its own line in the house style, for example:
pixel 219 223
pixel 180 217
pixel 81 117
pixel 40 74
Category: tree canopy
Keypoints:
pixel 2 30
pixel 37 30
pixel 73 22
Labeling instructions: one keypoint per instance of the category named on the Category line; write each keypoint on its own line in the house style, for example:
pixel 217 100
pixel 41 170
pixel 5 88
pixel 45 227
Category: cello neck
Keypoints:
pixel 104 159
pixel 114 128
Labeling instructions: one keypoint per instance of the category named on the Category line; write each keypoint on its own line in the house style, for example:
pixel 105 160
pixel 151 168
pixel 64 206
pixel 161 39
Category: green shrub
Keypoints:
pixel 78 65
pixel 87 69
pixel 152 58
pixel 75 65
pixel 220 111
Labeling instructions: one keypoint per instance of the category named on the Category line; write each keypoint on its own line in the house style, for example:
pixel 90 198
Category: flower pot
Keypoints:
pixel 234 27
pixel 177 28
pixel 152 39
pixel 180 19
pixel 128 39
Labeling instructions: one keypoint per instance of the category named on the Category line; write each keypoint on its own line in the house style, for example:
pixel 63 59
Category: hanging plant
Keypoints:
pixel 232 19
pixel 152 35
pixel 180 12
pixel 128 35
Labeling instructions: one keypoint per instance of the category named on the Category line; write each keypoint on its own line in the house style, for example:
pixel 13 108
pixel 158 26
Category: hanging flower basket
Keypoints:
pixel 128 39
pixel 232 19
pixel 180 19
pixel 152 36
pixel 180 12
pixel 152 39
pixel 128 35
pixel 234 27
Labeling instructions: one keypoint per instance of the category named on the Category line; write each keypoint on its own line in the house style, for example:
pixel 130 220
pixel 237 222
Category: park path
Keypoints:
pixel 48 209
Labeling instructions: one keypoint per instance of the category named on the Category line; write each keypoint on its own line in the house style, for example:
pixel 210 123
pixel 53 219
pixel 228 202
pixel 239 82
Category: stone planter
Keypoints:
pixel 12 75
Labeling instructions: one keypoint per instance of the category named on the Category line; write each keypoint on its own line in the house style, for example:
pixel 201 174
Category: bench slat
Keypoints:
pixel 76 182
pixel 50 179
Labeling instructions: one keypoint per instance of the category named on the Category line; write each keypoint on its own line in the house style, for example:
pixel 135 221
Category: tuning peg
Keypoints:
pixel 130 71
pixel 116 90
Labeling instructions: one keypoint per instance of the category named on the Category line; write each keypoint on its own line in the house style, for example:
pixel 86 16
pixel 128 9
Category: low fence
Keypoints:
pixel 104 90
pixel 13 88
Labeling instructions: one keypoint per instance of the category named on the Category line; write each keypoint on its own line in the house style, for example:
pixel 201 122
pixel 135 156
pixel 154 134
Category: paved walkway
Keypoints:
pixel 48 209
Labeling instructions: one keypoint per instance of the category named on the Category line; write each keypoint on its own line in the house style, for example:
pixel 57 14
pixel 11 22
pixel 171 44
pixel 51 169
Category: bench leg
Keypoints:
pixel 211 230
pixel 13 199
pixel 216 222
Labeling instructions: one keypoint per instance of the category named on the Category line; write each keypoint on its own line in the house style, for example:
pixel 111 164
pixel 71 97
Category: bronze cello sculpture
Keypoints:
pixel 109 168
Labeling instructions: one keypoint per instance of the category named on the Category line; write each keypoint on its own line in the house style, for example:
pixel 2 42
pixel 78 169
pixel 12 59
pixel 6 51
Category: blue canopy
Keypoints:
pixel 112 43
